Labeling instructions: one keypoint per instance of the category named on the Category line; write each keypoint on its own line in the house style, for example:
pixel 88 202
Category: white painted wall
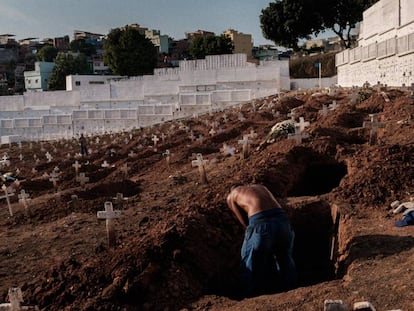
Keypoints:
pixel 297 84
pixel 385 52
pixel 94 104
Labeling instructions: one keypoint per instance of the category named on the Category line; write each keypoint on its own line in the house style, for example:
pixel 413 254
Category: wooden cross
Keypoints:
pixel 82 179
pixel 245 142
pixel 109 214
pixel 163 137
pixel 74 201
pixel 77 166
pixel 167 155
pixel 119 200
pixel 124 169
pixel 7 193
pixel 24 198
pixel 199 162
pixel 373 125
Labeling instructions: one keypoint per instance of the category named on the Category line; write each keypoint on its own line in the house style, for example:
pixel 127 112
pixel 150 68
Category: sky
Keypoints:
pixel 56 18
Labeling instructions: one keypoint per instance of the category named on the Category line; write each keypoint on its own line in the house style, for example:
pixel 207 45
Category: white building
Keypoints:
pixel 385 51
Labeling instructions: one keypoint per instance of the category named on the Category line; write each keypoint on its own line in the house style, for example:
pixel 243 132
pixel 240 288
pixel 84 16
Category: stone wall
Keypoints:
pixel 385 52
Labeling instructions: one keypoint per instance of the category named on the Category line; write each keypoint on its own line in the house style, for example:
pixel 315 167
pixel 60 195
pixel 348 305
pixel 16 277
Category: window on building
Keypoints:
pixel 77 83
pixel 37 81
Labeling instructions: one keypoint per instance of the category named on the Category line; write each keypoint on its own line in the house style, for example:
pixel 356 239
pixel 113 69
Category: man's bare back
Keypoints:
pixel 246 201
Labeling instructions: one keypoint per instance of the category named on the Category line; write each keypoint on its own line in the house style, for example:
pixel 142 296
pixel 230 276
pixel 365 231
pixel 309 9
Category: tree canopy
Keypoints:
pixel 211 45
pixel 67 64
pixel 47 53
pixel 81 46
pixel 285 22
pixel 129 53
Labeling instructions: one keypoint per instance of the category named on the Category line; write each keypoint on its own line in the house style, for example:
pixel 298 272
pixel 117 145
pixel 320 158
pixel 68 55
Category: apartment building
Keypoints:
pixel 242 42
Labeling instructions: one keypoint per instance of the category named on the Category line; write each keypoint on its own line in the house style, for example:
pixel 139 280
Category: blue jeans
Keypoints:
pixel 266 255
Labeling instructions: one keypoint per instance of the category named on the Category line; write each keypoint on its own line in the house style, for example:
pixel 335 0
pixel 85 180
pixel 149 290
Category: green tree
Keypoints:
pixel 67 64
pixel 47 54
pixel 129 53
pixel 211 45
pixel 81 46
pixel 285 22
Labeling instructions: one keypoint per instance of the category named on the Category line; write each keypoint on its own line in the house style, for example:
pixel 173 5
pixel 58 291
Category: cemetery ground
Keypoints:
pixel 174 242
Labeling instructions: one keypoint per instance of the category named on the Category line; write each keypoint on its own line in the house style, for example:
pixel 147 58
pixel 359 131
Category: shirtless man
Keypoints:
pixel 266 254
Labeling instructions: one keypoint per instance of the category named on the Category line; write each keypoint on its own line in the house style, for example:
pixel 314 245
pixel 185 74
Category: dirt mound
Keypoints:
pixel 178 244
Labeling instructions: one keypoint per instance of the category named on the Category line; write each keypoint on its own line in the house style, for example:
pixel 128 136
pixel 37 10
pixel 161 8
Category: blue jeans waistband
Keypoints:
pixel 267 215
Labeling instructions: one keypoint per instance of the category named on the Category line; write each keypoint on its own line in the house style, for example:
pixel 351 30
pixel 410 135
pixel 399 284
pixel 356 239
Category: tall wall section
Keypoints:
pixel 385 51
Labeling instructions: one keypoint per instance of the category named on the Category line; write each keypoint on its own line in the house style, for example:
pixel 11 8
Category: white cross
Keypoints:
pixel 199 162
pixel 298 135
pixel 16 298
pixel 109 214
pixel 252 134
pixel 7 193
pixel 24 198
pixel 228 150
pixel 82 179
pixel 20 157
pixel 77 166
pixel 49 156
pixel 155 139
pixel 333 106
pixel 54 177
pixel 302 124
pixel 212 132
pixel 105 164
pixel 132 154
pixel 200 139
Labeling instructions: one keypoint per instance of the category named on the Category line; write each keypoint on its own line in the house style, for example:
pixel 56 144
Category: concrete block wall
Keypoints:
pixel 385 52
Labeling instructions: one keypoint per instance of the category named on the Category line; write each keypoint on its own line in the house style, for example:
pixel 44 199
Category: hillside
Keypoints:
pixel 177 243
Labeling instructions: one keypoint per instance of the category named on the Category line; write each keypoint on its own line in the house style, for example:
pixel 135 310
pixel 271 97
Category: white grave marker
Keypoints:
pixel 105 164
pixel 54 178
pixel 82 179
pixel 109 214
pixel 77 166
pixel 167 155
pixel 199 162
pixel 8 192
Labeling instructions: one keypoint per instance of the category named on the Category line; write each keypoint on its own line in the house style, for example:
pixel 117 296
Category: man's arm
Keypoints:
pixel 236 210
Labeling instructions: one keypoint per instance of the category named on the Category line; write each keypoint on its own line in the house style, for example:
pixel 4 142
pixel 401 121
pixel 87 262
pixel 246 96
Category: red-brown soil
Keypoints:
pixel 177 244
